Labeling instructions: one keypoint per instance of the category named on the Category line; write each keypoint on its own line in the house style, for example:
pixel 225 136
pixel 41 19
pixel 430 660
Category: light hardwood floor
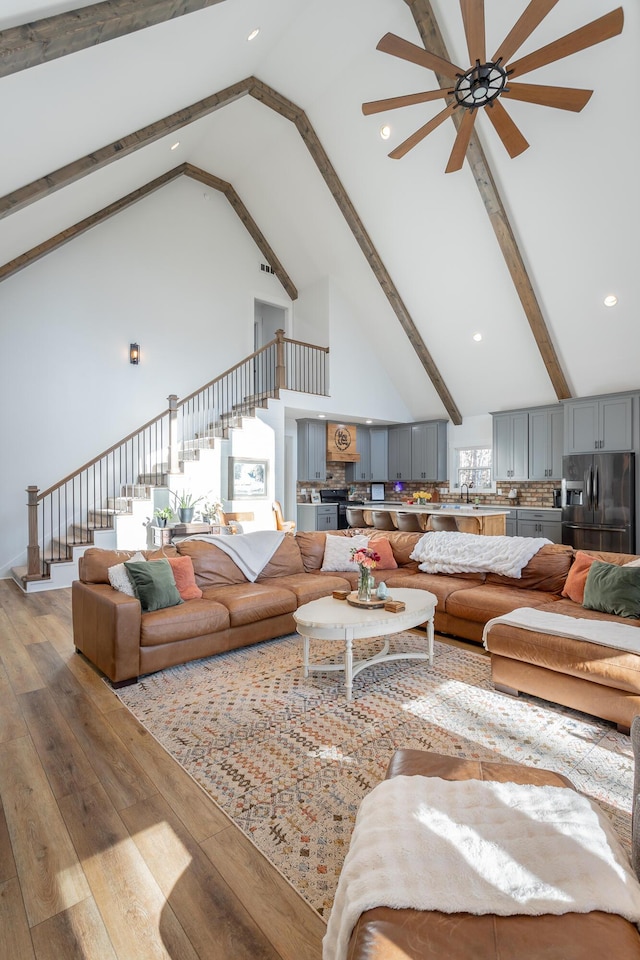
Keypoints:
pixel 108 849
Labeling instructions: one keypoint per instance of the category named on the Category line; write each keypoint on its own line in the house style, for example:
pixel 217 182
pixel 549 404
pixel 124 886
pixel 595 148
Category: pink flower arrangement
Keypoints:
pixel 364 557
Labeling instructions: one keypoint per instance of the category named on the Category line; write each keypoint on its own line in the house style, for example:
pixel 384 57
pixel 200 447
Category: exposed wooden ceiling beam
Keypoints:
pixel 48 184
pixel 74 171
pixel 33 43
pixel 427 24
pixel 186 169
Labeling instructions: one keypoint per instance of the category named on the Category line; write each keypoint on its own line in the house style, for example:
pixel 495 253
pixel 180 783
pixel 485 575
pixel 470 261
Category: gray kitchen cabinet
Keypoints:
pixel 379 437
pixel 360 469
pixel 317 516
pixel 400 452
pixel 601 423
pixel 429 450
pixel 540 523
pixel 511 445
pixel 546 443
pixel 511 523
pixel 312 450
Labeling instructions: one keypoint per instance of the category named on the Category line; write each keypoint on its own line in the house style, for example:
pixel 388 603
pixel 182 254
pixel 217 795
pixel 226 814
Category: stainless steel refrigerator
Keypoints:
pixel 598 501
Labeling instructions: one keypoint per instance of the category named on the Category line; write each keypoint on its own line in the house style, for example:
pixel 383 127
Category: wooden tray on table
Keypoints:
pixel 376 603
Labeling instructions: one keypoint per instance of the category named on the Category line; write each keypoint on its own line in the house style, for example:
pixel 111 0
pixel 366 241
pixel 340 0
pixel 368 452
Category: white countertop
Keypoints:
pixel 461 510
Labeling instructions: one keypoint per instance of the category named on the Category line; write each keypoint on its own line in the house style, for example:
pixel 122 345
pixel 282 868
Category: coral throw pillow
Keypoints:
pixel 383 548
pixel 577 577
pixel 185 578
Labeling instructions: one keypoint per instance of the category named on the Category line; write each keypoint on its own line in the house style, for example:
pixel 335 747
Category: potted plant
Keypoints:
pixel 209 510
pixel 185 505
pixel 162 515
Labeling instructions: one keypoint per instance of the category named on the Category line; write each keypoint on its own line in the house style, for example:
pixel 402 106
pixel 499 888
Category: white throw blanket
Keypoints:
pixel 249 551
pixel 442 552
pixel 479 847
pixel 620 636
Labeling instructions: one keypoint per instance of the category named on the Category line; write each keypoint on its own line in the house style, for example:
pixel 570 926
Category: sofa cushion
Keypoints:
pixel 337 552
pixel 577 577
pixel 119 578
pixel 440 584
pixel 213 567
pixel 383 548
pixel 402 544
pixel 251 602
pixel 185 578
pixel 153 584
pixel 311 546
pixel 95 562
pixel 547 570
pixel 193 618
pixel 490 600
pixel 613 589
pixel 286 561
pixel 312 586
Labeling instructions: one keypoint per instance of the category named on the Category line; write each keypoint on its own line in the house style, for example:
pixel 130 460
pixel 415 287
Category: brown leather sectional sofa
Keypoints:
pixel 124 643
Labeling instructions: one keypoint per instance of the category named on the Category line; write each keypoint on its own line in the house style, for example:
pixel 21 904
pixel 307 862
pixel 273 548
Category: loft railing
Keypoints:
pixel 66 513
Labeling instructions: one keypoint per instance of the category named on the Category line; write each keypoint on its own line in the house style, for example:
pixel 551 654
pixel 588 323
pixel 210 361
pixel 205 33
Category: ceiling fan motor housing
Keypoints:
pixel 480 85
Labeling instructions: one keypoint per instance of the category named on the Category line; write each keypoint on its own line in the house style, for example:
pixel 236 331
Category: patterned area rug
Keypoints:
pixel 289 760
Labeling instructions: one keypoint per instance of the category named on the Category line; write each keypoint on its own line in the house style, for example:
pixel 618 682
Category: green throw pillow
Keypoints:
pixel 153 584
pixel 613 589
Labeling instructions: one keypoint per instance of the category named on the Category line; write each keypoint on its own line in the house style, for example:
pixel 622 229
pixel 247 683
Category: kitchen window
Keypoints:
pixel 473 466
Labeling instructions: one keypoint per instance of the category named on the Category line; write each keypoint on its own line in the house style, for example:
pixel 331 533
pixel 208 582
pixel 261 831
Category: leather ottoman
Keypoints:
pixel 387 934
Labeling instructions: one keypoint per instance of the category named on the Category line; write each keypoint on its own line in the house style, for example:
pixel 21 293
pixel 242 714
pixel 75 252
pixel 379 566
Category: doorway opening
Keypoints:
pixel 267 318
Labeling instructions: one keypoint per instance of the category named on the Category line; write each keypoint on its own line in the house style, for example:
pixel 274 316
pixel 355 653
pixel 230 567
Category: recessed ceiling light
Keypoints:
pixel 254 34
pixel 174 146
pixel 611 300
pixel 368 421
pixel 321 416
pixel 477 337
pixel 385 131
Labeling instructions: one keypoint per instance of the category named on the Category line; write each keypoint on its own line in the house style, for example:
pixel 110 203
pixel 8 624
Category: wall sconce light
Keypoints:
pixel 134 353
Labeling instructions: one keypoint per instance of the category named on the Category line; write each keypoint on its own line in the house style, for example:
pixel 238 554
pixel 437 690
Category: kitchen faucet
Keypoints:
pixel 467 485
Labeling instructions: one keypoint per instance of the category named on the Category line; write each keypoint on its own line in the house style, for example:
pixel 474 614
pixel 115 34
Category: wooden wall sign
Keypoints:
pixel 341 442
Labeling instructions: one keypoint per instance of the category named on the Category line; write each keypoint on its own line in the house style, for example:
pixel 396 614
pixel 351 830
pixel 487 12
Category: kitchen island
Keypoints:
pixel 486 521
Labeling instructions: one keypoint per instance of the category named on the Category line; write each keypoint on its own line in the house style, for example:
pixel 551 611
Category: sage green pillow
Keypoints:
pixel 613 589
pixel 153 584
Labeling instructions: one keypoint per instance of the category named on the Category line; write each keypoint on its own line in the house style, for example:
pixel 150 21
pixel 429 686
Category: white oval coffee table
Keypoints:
pixel 330 619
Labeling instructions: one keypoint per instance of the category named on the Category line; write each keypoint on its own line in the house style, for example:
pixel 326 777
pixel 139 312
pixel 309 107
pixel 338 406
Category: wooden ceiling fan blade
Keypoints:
pixel 420 134
pixel 533 15
pixel 563 98
pixel 461 142
pixel 595 32
pixel 398 47
pixel 506 129
pixel 379 106
pixel 473 19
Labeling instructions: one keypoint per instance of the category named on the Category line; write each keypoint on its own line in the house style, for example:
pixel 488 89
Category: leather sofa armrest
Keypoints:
pixel 106 629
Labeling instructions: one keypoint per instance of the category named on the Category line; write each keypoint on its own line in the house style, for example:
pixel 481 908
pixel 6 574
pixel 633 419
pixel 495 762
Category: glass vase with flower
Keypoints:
pixel 366 560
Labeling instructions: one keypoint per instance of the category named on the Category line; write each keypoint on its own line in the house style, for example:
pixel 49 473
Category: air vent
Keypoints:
pixel 266 268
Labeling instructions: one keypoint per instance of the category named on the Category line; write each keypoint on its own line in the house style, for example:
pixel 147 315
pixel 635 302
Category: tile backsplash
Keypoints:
pixel 532 493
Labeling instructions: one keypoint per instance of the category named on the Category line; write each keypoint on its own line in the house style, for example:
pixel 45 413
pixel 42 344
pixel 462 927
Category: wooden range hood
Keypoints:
pixel 341 442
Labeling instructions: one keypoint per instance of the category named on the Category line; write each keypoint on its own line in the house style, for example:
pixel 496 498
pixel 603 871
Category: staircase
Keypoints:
pixel 109 501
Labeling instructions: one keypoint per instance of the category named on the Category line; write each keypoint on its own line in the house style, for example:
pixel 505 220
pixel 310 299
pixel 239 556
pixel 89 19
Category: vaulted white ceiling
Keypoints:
pixel 573 198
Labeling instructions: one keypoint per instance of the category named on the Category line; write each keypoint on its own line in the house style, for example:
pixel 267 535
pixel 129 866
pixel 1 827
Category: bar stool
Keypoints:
pixel 355 517
pixel 408 522
pixel 382 520
pixel 443 523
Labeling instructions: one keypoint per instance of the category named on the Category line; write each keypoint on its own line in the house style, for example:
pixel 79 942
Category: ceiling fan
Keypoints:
pixel 484 84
